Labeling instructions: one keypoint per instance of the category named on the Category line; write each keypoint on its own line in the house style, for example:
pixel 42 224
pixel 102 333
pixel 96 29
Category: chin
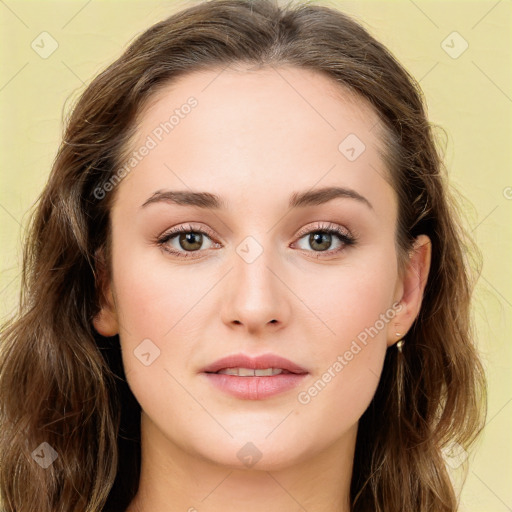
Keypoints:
pixel 258 453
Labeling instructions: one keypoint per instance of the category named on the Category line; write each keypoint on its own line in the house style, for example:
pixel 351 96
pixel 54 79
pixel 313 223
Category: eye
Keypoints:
pixel 183 240
pixel 323 236
pixel 186 240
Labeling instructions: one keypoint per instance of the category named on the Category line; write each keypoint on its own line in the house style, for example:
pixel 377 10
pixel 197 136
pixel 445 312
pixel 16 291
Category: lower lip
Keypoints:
pixel 255 388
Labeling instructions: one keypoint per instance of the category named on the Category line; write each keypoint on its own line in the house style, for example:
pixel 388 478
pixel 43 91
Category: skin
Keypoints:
pixel 255 137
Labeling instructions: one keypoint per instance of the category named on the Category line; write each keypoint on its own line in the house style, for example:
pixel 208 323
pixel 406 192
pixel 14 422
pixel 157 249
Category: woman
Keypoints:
pixel 245 285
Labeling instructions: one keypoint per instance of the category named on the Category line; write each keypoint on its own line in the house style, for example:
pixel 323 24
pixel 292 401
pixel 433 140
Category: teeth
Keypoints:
pixel 249 372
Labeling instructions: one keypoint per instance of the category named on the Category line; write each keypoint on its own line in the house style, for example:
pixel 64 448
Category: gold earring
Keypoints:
pixel 399 343
pixel 400 372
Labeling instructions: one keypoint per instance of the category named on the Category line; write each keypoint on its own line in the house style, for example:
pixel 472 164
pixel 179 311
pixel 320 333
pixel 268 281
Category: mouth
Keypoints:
pixel 252 372
pixel 245 365
pixel 254 378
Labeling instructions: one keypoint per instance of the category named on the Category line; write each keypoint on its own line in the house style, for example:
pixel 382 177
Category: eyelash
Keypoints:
pixel 346 239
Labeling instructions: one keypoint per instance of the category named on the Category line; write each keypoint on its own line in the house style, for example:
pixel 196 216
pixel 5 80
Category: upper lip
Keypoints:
pixel 258 362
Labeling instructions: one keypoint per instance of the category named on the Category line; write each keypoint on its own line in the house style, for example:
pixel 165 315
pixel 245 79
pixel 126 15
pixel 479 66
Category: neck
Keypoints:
pixel 174 479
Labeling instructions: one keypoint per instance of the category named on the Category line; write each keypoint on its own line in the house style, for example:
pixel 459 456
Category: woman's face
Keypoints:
pixel 254 272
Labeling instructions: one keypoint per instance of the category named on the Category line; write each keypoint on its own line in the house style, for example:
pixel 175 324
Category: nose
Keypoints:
pixel 255 296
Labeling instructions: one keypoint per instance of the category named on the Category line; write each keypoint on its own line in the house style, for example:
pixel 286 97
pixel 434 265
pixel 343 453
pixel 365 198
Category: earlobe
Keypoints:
pixel 105 321
pixel 413 286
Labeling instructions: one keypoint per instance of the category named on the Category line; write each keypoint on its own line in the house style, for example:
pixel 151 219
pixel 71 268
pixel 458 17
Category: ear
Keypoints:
pixel 410 288
pixel 105 321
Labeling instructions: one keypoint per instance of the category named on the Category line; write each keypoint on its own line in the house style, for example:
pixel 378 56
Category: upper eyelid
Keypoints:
pixel 324 226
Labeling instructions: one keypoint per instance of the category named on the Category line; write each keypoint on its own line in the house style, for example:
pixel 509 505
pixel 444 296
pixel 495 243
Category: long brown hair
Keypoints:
pixel 61 383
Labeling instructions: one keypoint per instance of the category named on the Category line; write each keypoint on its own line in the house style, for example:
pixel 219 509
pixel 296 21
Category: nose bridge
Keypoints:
pixel 256 296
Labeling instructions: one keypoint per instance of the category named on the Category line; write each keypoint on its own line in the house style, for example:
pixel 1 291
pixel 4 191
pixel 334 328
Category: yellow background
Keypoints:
pixel 470 97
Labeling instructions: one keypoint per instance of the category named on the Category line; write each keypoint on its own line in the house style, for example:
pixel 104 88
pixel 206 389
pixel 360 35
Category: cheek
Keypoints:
pixel 338 396
pixel 164 309
pixel 153 296
pixel 357 309
pixel 352 298
pixel 156 306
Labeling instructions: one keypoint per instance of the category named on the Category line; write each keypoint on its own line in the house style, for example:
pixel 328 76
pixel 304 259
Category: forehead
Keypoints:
pixel 244 93
pixel 259 129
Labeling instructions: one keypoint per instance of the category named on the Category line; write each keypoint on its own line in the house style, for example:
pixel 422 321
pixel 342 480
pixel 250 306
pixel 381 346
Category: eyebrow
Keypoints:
pixel 207 200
